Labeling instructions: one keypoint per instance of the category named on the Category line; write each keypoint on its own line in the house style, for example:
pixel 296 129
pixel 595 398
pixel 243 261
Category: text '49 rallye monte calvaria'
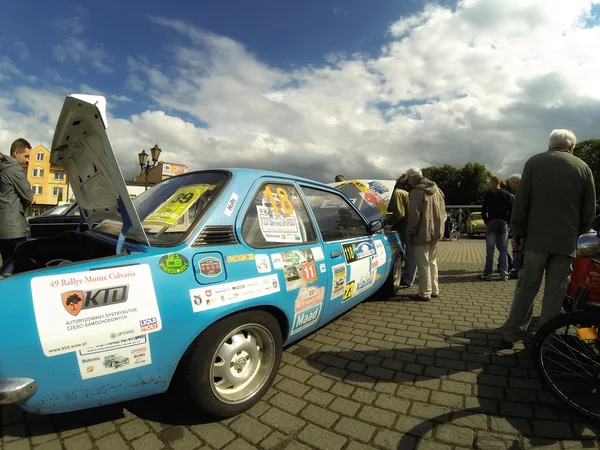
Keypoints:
pixel 207 274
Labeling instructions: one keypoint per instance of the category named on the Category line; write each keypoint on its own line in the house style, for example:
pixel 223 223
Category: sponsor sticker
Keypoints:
pixel 339 280
pixel 349 291
pixel 77 310
pixel 169 212
pixel 299 268
pixel 231 204
pixel 277 261
pixel 210 267
pixel 318 253
pixel 107 360
pixel 203 299
pixel 263 263
pixel 322 268
pixel 309 297
pixel 240 258
pixel 278 227
pixel 173 263
pixel 377 187
pixel 306 318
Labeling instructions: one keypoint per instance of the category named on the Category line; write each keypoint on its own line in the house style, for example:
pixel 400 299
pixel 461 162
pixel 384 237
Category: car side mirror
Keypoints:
pixel 376 226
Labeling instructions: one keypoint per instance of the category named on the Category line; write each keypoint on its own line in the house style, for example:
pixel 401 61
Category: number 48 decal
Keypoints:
pixel 349 292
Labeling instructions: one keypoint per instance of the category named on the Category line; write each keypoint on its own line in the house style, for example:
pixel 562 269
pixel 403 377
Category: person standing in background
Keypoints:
pixel 15 196
pixel 546 222
pixel 339 178
pixel 517 254
pixel 496 212
pixel 426 214
pixel 398 207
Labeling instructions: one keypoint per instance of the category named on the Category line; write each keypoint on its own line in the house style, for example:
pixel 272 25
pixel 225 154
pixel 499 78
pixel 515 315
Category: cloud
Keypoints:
pixel 77 48
pixel 486 81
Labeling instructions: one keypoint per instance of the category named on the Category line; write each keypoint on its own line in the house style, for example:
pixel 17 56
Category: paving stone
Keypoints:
pixel 425 444
pixel 343 406
pixel 319 416
pixel 282 421
pixel 454 435
pixel 250 429
pixel 495 441
pixel 295 373
pixel 427 411
pixel 297 446
pixel 214 434
pixel 42 432
pixel 391 440
pixel 292 387
pixel 274 441
pixel 19 444
pixel 148 442
pixel 319 397
pixel 412 393
pixel 482 405
pixel 341 389
pixel 516 410
pixel 240 444
pixel 446 399
pixel 510 426
pixel 363 396
pixel 377 416
pixel 469 420
pixel 321 439
pixel 288 403
pixel 353 445
pixel 415 427
pixel 355 429
pixel 179 438
pixel 112 442
pixel 456 387
pixel 320 382
pixel 101 429
pixel 427 383
pixel 79 442
pixel 395 404
pixel 134 429
pixel 52 445
pixel 558 430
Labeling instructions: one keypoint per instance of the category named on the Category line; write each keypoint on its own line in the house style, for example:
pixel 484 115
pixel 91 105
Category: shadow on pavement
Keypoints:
pixel 494 394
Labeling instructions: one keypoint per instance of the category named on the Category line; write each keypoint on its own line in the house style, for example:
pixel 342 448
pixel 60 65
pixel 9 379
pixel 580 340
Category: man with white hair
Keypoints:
pixel 425 227
pixel 515 180
pixel 546 221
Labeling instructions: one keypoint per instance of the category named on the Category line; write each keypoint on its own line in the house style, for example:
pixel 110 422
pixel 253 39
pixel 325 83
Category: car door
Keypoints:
pixel 356 258
pixel 279 233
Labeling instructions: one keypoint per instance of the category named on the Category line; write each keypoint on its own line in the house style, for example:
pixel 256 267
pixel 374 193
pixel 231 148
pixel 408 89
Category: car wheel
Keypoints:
pixel 392 283
pixel 232 364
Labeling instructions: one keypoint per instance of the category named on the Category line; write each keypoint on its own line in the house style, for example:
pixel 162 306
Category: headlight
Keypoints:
pixel 588 245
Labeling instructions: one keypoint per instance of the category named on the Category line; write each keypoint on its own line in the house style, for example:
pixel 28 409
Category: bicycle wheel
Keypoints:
pixel 567 356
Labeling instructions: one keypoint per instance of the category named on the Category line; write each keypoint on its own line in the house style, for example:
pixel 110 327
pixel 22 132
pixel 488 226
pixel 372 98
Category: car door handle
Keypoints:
pixel 336 254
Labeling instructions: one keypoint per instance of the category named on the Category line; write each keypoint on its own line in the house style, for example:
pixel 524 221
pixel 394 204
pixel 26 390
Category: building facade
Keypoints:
pixel 48 182
pixel 161 171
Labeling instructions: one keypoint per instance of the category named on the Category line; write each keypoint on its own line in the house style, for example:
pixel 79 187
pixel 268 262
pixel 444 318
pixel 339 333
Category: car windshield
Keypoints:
pixel 57 210
pixel 476 216
pixel 169 209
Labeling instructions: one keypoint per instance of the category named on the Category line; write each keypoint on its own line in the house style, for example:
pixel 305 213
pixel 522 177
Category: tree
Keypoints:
pixel 589 151
pixel 60 196
pixel 464 186
pixel 73 300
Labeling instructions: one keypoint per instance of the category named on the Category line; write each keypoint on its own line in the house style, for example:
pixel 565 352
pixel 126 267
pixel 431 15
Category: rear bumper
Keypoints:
pixel 16 390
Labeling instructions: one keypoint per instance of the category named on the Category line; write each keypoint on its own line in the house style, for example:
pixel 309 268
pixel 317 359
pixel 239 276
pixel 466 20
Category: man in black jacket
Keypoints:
pixel 496 210
pixel 15 195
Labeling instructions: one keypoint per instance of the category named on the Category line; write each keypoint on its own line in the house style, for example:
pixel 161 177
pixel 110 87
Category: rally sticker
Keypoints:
pixel 263 263
pixel 322 268
pixel 339 280
pixel 299 268
pixel 278 227
pixel 355 251
pixel 77 310
pixel 277 261
pixel 231 204
pixel 318 253
pixel 169 213
pixel 229 293
pixel 119 356
pixel 309 297
pixel 306 318
pixel 210 267
pixel 173 263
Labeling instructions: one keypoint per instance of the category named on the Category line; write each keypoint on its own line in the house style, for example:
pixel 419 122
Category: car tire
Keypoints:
pixel 244 348
pixel 392 283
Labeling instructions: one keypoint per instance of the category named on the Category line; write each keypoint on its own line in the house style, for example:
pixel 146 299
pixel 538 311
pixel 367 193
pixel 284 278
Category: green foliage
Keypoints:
pixel 589 151
pixel 60 196
pixel 464 186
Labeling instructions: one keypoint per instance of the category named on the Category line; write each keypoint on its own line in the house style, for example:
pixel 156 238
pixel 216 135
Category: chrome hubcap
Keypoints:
pixel 242 363
pixel 397 272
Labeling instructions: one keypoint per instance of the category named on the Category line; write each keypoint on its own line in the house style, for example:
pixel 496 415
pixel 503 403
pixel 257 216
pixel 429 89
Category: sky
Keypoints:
pixel 312 88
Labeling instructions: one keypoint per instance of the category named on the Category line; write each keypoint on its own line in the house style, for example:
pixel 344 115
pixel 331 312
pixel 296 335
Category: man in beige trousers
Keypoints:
pixel 426 216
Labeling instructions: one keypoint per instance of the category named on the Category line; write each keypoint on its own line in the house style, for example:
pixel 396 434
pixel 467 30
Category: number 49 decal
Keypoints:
pixel 349 292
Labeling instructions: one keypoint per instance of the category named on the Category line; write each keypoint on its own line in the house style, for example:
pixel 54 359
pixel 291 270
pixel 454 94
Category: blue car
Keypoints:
pixel 207 275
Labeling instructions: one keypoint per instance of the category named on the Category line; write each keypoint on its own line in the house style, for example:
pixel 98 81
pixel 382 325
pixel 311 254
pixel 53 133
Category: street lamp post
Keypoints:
pixel 145 164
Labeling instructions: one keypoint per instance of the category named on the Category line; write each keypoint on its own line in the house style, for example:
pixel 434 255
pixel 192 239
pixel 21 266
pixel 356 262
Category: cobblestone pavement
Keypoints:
pixel 390 374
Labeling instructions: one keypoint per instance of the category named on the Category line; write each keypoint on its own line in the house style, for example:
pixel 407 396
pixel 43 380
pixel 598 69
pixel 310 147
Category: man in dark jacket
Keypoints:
pixel 547 219
pixel 15 195
pixel 496 210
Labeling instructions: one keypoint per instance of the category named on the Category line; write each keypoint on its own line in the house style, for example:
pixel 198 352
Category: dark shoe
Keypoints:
pixel 419 298
pixel 404 285
pixel 435 295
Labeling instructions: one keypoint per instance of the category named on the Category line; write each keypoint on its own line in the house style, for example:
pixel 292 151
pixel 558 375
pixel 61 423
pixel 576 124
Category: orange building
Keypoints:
pixel 161 171
pixel 48 182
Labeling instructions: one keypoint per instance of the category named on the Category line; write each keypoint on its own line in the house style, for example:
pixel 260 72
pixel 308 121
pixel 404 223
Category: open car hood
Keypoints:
pixel 371 197
pixel 81 146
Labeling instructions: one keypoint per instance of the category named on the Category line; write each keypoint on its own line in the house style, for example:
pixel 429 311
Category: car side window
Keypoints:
pixel 336 218
pixel 277 217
